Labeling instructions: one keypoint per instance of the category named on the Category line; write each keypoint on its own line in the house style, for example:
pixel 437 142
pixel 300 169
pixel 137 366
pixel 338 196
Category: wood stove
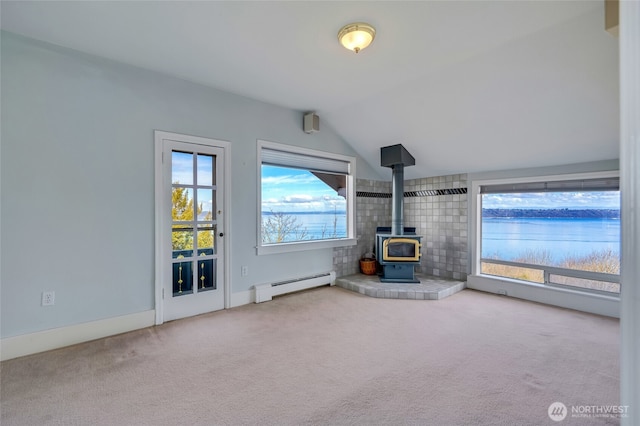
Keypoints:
pixel 397 247
pixel 398 254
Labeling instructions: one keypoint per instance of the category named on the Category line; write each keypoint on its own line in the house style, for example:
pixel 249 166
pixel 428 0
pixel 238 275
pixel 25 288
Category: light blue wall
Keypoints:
pixel 77 181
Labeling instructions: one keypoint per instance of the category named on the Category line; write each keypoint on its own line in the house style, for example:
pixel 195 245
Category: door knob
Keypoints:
pixel 221 235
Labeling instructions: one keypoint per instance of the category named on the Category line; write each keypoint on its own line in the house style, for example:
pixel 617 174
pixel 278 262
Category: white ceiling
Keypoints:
pixel 464 86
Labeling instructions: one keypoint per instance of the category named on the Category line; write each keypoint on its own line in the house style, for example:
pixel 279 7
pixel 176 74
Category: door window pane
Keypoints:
pixel 206 204
pixel 205 170
pixel 182 168
pixel 182 204
pixel 182 242
pixel 206 241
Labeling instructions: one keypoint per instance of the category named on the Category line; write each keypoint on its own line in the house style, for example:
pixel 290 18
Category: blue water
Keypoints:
pixel 321 225
pixel 507 238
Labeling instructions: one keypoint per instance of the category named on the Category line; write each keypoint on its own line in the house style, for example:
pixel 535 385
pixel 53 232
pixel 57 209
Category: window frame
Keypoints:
pixel 476 235
pixel 287 247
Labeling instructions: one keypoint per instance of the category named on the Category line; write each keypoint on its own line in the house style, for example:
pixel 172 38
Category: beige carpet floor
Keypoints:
pixel 329 356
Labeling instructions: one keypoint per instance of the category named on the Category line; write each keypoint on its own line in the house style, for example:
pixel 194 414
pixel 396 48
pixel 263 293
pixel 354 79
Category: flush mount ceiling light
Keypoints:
pixel 356 36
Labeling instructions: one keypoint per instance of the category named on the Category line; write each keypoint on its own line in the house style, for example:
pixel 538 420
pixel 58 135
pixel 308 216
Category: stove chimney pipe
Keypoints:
pixel 397 199
pixel 396 157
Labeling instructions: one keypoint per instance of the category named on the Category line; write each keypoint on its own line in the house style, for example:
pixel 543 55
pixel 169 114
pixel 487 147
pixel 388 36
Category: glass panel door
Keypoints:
pixel 194 272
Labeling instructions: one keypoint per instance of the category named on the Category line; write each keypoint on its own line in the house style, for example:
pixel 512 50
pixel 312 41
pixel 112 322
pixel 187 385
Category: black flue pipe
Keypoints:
pixel 397 199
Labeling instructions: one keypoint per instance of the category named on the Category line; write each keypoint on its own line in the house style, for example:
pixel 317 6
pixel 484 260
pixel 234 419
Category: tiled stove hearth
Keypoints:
pixel 429 288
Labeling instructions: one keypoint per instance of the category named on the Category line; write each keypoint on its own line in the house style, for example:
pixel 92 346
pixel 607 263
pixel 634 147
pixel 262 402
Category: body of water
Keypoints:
pixel 320 225
pixel 505 238
pixel 508 238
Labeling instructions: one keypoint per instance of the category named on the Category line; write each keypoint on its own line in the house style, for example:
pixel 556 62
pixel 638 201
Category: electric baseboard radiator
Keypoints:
pixel 265 292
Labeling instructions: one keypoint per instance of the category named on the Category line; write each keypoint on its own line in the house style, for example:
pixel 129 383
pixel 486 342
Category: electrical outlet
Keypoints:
pixel 48 298
pixel 244 271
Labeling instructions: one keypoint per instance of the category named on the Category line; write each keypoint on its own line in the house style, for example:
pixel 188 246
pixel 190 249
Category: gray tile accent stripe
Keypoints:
pixel 422 193
pixel 366 194
pixel 434 192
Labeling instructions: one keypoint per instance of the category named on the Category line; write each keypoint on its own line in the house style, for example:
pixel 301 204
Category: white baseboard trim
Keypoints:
pixel 564 298
pixel 27 344
pixel 241 298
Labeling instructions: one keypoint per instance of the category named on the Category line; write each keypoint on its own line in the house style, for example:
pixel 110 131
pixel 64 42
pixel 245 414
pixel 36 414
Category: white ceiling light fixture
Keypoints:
pixel 356 36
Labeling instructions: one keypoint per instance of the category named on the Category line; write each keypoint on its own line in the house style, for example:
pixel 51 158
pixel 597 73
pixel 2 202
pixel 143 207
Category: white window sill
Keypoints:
pixel 585 301
pixel 305 245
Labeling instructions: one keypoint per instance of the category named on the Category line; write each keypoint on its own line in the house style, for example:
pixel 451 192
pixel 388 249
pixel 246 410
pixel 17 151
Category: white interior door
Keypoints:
pixel 191 252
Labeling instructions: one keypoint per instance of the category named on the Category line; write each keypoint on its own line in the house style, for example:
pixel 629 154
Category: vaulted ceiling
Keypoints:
pixel 464 86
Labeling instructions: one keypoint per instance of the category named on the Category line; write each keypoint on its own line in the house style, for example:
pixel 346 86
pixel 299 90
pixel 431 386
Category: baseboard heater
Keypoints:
pixel 265 292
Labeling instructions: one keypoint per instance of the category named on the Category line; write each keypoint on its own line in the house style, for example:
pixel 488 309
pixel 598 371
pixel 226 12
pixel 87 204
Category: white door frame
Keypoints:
pixel 159 137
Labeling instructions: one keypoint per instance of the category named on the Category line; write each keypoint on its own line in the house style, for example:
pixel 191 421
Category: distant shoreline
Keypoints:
pixel 331 212
pixel 507 213
pixel 552 213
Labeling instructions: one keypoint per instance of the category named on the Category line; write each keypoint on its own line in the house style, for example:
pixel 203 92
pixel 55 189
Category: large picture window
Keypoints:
pixel 306 199
pixel 559 233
